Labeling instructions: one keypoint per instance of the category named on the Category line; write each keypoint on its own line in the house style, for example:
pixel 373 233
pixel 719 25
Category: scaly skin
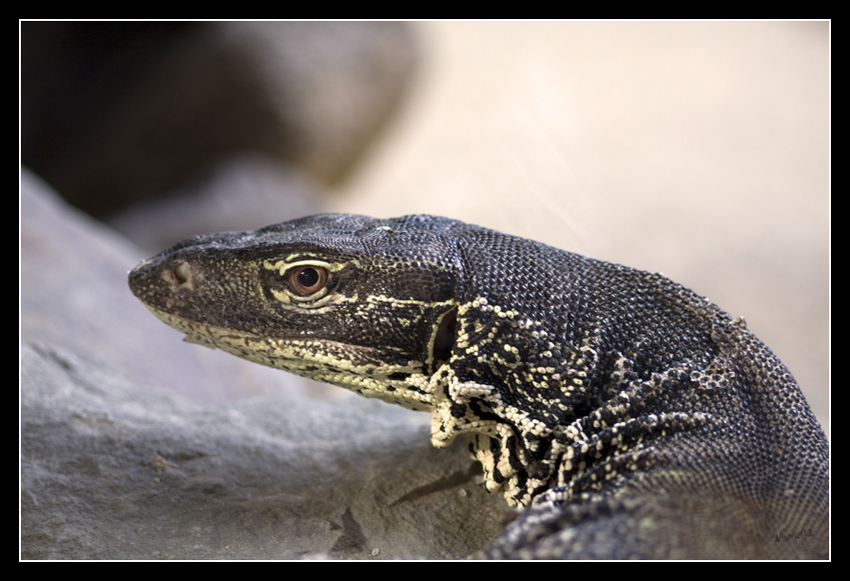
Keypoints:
pixel 634 418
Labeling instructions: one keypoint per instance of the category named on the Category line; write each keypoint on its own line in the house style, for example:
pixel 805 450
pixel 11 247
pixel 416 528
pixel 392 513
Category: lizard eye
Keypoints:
pixel 307 279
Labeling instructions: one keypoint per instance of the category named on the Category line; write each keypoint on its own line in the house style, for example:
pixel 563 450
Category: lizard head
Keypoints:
pixel 358 302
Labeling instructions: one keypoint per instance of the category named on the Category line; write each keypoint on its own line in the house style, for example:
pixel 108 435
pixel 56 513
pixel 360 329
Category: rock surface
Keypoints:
pixel 130 451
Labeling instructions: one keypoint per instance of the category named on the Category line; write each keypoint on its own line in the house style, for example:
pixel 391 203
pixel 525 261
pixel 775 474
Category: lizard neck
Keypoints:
pixel 602 428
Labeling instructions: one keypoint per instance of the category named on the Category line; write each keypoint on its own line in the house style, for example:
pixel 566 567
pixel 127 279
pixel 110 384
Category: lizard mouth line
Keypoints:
pixel 291 354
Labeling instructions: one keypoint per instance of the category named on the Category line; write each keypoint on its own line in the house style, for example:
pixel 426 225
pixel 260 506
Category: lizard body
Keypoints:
pixel 629 416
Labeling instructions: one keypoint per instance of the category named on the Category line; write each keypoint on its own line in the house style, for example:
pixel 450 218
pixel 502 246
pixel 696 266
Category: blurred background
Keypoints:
pixel 696 149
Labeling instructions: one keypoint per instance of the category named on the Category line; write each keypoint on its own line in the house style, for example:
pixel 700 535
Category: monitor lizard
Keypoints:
pixel 623 414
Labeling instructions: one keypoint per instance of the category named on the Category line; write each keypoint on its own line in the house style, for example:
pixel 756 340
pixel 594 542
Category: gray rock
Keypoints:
pixel 137 446
pixel 109 471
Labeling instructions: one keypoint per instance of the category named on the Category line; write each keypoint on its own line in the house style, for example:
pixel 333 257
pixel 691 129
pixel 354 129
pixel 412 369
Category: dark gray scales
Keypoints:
pixel 631 417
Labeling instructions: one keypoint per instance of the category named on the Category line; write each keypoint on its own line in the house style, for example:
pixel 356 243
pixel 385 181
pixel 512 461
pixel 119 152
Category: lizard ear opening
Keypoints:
pixel 444 339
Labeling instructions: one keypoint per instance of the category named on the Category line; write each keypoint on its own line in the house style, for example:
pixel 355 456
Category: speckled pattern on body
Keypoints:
pixel 626 415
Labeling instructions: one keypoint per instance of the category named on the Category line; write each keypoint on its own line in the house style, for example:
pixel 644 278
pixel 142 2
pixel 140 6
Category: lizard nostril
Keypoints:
pixel 182 272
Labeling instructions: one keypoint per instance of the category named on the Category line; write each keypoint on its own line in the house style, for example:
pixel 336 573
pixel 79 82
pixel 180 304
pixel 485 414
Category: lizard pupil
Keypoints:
pixel 308 279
